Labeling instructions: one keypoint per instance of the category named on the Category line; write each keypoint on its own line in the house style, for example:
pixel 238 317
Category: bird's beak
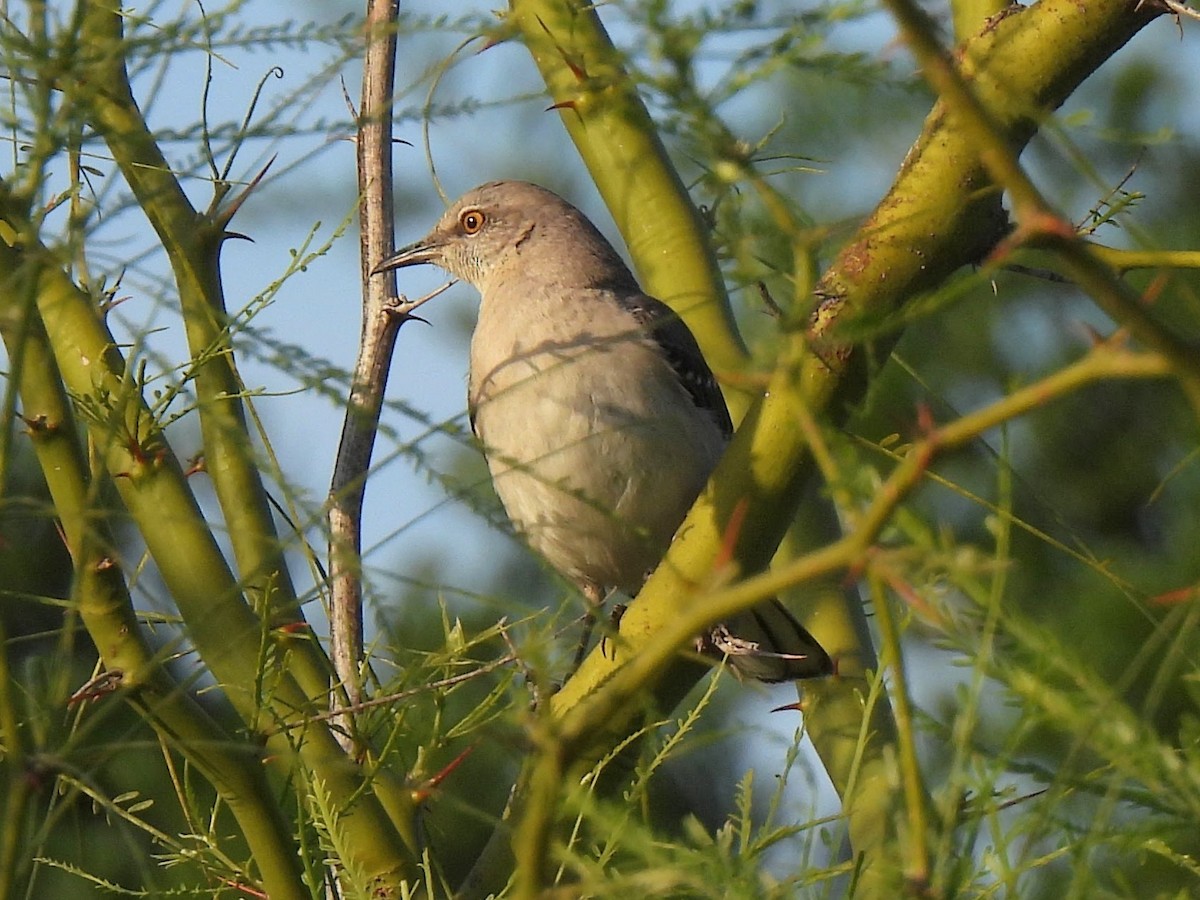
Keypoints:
pixel 422 251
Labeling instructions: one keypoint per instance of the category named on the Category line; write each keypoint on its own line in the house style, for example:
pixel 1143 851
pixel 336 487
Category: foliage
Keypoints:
pixel 998 402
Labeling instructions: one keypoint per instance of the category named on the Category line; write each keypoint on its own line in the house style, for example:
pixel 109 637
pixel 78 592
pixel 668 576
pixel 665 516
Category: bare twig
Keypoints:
pixel 408 694
pixel 375 349
pixel 1181 9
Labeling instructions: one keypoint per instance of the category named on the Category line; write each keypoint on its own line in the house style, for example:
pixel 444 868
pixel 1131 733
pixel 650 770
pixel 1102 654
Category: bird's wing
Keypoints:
pixel 683 354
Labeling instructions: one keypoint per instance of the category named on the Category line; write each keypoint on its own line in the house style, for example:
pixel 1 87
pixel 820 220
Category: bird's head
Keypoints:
pixel 515 227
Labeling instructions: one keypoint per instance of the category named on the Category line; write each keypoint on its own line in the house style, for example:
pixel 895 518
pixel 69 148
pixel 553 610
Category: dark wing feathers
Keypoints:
pixel 682 353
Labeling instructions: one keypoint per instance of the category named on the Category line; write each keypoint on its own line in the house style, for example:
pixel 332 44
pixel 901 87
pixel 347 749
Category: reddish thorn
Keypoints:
pixel 196 464
pixel 1175 597
pixel 104 683
pixel 577 70
pixel 38 425
pixel 733 530
pixel 798 706
pixel 909 595
pixel 1002 250
pixel 1154 289
pixel 1044 223
pixel 565 104
pixel 293 628
pixel 925 418
pixel 854 572
pixel 245 889
pixel 223 218
pixel 422 793
pixel 135 450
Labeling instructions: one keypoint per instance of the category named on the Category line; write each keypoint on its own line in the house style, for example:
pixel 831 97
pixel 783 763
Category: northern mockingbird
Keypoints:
pixel 598 416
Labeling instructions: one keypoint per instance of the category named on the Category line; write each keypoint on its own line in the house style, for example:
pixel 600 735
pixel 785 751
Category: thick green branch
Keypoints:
pixel 943 210
pixel 1037 221
pixel 619 143
pixel 234 769
pixel 155 492
pixel 192 242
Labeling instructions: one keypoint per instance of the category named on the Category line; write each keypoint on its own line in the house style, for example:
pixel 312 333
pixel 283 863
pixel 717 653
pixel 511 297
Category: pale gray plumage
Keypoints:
pixel 597 413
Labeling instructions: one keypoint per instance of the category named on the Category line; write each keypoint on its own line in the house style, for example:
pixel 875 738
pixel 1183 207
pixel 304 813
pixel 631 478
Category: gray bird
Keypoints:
pixel 600 420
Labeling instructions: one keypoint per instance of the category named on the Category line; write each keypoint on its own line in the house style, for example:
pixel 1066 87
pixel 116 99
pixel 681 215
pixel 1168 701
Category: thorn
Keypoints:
pixel 854 572
pixel 1175 597
pixel 223 218
pixel 495 39
pixel 109 305
pixel 733 530
pixel 576 69
pixel 243 888
pixel 773 309
pixel 798 706
pixel 421 794
pixel 1154 289
pixel 565 104
pixel 404 316
pixel 196 464
pixel 1041 224
pixel 614 625
pixel 235 236
pixel 135 450
pixel 105 683
pixel 925 421
pixel 39 425
pixel 348 100
pixel 906 592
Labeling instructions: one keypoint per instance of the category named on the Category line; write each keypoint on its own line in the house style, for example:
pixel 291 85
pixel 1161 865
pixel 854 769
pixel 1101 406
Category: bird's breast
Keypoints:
pixel 595 449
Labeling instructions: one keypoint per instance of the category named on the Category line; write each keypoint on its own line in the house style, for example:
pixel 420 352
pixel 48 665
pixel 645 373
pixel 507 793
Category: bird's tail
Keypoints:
pixel 768 644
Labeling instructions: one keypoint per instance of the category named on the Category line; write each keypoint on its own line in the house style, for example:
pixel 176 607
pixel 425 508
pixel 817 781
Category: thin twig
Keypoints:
pixel 401 696
pixel 375 349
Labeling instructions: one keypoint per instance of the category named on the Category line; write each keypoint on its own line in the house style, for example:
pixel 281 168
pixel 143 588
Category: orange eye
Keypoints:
pixel 471 220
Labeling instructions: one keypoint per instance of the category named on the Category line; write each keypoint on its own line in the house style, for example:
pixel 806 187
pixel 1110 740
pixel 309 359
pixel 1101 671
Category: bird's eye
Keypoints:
pixel 471 220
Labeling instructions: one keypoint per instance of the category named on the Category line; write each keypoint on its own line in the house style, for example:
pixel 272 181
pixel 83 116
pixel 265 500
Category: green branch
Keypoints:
pixel 192 242
pixel 619 143
pixel 1038 223
pixel 154 490
pixel 233 767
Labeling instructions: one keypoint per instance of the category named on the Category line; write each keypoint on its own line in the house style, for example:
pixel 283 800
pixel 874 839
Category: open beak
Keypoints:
pixel 415 254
